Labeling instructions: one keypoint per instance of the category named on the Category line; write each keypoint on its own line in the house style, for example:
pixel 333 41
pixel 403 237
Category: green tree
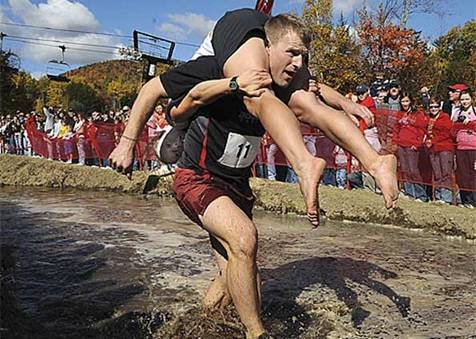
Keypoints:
pixel 24 91
pixel 81 97
pixel 18 90
pixel 121 92
pixel 454 58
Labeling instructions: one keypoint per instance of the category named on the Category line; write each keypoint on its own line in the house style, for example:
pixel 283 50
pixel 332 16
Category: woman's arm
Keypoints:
pixel 251 83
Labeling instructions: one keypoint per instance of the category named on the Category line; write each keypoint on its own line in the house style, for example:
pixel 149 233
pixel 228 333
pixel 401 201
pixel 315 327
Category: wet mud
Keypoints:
pixel 110 265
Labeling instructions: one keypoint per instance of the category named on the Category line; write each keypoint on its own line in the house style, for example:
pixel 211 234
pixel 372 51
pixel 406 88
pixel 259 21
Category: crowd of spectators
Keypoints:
pixel 433 139
pixel 75 137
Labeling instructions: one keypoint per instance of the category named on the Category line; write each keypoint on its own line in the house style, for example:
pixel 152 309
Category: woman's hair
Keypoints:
pixel 278 26
pixel 466 92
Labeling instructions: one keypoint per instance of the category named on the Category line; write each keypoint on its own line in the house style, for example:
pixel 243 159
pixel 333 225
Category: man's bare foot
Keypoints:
pixel 309 175
pixel 217 296
pixel 384 172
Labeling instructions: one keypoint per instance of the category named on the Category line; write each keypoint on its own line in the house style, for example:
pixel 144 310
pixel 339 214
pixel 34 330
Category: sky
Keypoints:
pixel 184 21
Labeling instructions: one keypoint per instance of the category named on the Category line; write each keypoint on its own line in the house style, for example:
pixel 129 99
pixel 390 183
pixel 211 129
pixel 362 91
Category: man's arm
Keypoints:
pixel 339 102
pixel 251 83
pixel 122 156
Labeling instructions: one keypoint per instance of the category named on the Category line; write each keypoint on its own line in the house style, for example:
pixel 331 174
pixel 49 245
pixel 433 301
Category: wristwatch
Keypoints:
pixel 234 87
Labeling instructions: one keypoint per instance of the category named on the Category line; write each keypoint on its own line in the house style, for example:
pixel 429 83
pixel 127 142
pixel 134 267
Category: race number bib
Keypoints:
pixel 240 150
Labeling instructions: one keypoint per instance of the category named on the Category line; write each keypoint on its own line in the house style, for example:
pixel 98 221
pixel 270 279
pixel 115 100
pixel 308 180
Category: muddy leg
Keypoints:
pixel 217 296
pixel 231 226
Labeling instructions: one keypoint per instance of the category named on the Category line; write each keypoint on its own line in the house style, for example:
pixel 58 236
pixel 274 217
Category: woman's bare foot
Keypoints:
pixel 310 174
pixel 217 296
pixel 384 172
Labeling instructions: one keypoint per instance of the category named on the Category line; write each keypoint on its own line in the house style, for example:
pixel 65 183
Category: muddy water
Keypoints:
pixel 105 265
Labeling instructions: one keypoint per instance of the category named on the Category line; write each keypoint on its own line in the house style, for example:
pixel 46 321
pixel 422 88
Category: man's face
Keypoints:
pixel 454 95
pixel 286 58
pixel 362 96
pixel 394 91
pixel 381 97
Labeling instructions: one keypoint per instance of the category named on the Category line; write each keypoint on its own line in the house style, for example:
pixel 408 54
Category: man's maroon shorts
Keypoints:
pixel 195 192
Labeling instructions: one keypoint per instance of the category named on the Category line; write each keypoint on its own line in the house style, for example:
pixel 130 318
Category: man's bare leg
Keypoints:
pixel 217 295
pixel 239 236
pixel 342 131
pixel 279 122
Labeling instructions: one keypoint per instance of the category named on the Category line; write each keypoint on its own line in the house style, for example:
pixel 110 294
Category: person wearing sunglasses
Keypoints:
pixel 452 105
pixel 394 95
pixel 440 144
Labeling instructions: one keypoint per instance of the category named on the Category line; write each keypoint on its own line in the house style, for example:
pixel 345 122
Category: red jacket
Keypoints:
pixel 410 129
pixel 369 103
pixel 438 133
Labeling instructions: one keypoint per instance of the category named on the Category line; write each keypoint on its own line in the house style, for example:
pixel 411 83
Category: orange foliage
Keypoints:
pixel 389 48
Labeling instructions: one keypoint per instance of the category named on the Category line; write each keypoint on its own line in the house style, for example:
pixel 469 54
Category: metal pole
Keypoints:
pixel 2 35
pixel 2 67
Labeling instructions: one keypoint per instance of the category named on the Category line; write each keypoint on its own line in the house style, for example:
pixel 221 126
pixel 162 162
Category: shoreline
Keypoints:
pixel 340 205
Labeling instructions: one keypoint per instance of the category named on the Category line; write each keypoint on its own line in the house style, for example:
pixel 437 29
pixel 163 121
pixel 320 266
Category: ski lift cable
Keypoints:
pixel 62 29
pixel 62 41
pixel 56 46
pixel 189 44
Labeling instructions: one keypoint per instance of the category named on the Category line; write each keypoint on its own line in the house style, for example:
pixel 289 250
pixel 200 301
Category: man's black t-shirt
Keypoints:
pixel 233 29
pixel 224 140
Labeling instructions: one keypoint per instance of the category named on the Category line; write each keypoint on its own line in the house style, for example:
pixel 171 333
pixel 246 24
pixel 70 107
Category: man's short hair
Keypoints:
pixel 278 26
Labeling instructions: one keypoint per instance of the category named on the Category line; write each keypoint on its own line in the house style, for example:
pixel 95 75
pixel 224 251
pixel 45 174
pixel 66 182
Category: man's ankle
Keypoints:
pixel 260 334
pixel 304 166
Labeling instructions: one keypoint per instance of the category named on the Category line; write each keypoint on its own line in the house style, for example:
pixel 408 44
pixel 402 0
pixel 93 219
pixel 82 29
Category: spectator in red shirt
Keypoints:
pixel 440 144
pixel 408 136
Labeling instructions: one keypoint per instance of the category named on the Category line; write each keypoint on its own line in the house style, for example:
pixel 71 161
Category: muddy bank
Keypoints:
pixel 355 205
pixel 29 171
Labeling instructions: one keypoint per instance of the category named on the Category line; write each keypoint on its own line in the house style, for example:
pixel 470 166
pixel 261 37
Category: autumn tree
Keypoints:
pixel 55 94
pixel 334 54
pixel 389 49
pixel 121 92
